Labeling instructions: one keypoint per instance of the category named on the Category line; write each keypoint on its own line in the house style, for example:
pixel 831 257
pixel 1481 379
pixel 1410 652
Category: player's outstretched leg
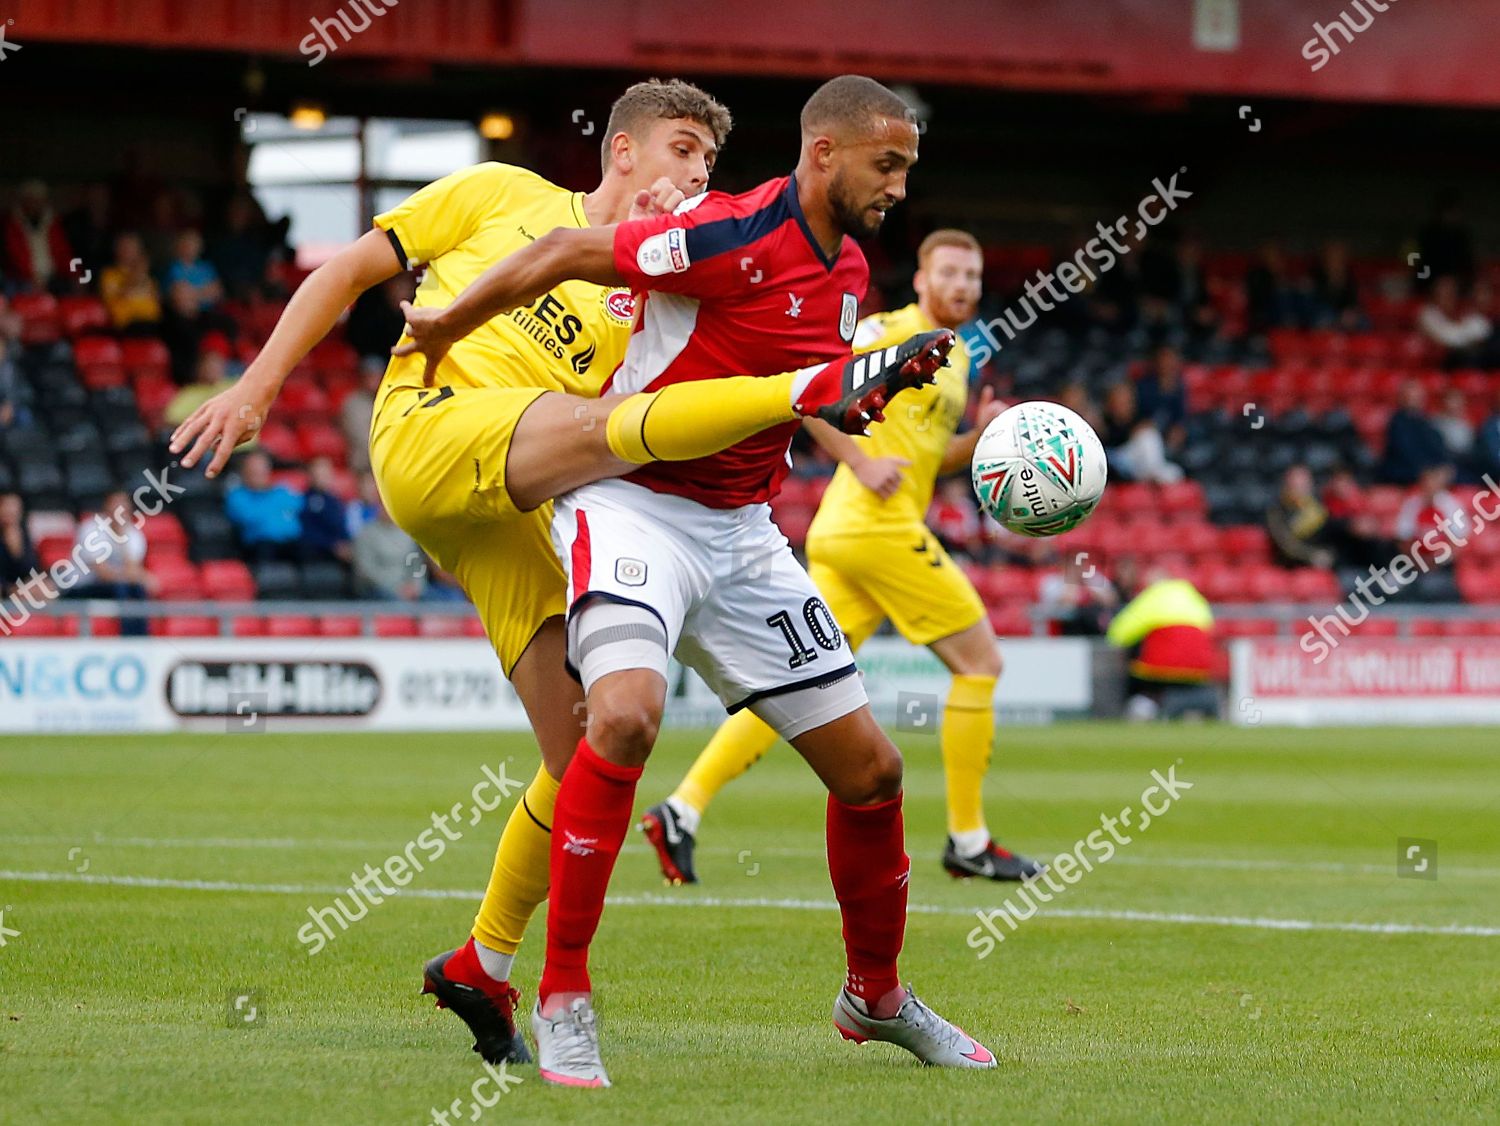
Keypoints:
pixel 672 826
pixel 869 867
pixel 563 442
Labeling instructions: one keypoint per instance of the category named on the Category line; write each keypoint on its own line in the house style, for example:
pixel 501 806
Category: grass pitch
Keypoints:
pixel 1253 956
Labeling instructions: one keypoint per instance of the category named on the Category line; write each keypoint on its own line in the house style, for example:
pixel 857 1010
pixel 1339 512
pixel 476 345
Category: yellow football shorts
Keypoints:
pixel 438 455
pixel 908 578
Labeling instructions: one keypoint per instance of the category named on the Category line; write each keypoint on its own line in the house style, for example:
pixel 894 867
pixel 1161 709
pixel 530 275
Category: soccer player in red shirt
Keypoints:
pixel 684 557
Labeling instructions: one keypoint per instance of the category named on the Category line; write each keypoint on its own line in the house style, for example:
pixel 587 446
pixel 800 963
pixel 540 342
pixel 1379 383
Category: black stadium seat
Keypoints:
pixel 324 580
pixel 277 580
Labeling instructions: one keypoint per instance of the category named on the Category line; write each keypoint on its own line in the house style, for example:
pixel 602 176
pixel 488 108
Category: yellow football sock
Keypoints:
pixel 734 749
pixel 688 420
pixel 518 881
pixel 967 735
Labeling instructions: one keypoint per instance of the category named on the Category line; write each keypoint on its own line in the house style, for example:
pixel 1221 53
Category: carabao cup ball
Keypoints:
pixel 1039 469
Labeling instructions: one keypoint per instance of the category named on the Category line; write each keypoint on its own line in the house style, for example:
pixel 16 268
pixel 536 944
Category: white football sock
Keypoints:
pixel 687 816
pixel 971 843
pixel 494 963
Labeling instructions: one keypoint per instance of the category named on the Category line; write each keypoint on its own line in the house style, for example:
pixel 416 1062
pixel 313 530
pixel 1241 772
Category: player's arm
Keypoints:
pixel 562 254
pixel 960 449
pixel 233 416
pixel 881 475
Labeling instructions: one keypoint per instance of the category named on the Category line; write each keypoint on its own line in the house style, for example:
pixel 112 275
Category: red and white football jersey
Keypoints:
pixel 733 285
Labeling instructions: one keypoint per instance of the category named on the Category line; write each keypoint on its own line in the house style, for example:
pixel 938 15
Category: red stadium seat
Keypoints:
pixel 319 439
pixel 1246 542
pixel 83 314
pixel 164 535
pixel 50 549
pixel 146 357
pixel 179 578
pixel 227 580
pixel 1010 621
pixel 391 626
pixel 278 440
pixel 340 626
pixel 99 362
pixel 41 322
pixel 443 627
pixel 37 625
pixel 185 626
pixel 248 627
pixel 291 625
pixel 1427 627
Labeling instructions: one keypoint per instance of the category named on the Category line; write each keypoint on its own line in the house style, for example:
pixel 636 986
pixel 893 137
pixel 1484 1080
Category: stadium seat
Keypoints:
pixel 248 627
pixel 227 580
pixel 443 627
pixel 36 625
pixel 324 580
pixel 82 314
pixel 277 580
pixel 1010 621
pixel 340 626
pixel 164 534
pixel 179 579
pixel 291 625
pixel 145 357
pixel 41 321
pixel 319 439
pixel 185 626
pixel 99 362
pixel 387 625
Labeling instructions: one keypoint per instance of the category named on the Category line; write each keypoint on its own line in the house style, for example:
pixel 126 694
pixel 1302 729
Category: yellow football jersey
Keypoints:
pixel 570 339
pixel 918 425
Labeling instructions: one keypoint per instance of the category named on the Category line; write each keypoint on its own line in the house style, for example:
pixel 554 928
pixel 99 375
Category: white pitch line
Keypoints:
pixel 1459 930
pixel 1231 864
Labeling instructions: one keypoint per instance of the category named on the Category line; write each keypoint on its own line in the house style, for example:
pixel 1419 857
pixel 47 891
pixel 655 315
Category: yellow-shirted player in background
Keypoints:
pixel 872 556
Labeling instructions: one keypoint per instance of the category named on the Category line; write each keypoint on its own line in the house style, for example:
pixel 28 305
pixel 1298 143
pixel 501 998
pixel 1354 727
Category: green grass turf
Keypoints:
pixel 113 999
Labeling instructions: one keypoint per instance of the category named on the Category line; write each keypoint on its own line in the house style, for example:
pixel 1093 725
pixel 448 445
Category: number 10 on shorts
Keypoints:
pixel 819 620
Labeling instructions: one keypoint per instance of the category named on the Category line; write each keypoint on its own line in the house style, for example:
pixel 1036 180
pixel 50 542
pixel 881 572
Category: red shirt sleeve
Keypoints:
pixel 688 252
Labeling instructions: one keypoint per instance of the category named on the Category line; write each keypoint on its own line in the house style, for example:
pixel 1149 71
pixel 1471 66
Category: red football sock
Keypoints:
pixel 592 817
pixel 869 866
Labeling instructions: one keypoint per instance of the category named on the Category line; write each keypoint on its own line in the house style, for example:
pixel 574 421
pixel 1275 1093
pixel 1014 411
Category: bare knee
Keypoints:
pixel 877 778
pixel 622 727
pixel 985 662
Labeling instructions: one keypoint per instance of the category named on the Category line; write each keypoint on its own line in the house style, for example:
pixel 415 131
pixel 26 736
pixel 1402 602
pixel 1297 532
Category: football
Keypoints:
pixel 1039 469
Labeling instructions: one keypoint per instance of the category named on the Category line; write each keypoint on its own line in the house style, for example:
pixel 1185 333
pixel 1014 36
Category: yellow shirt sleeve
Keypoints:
pixel 435 219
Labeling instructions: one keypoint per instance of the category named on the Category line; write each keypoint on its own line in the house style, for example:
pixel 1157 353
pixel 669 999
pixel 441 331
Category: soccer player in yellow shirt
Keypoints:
pixel 872 556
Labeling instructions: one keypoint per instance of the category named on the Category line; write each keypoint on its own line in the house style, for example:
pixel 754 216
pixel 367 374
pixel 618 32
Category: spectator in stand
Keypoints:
pixel 1457 431
pixel 1342 497
pixel 13 415
pixel 18 557
pixel 239 252
pixel 1460 329
pixel 1133 444
pixel 90 228
pixel 185 328
pixel 1271 294
pixel 358 409
pixel 111 552
pixel 1075 396
pixel 36 250
pixel 160 233
pixel 188 267
pixel 127 288
pixel 1168 630
pixel 1335 296
pixel 325 530
pixel 365 506
pixel 266 516
pixel 1304 534
pixel 387 562
pixel 1487 445
pixel 1430 505
pixel 1446 244
pixel 954 518
pixel 210 378
pixel 1078 600
pixel 1162 397
pixel 376 321
pixel 1412 442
